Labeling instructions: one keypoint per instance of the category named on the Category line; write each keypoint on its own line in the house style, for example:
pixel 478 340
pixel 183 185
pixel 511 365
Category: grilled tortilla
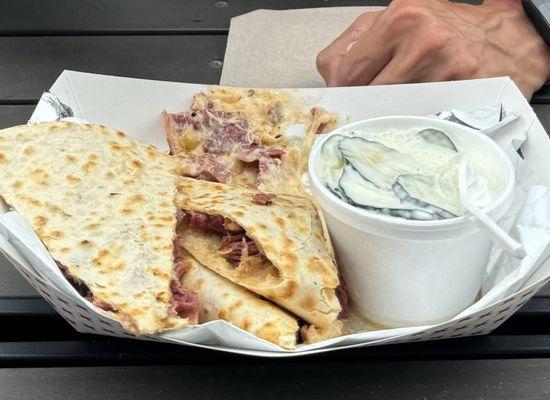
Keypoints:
pixel 103 206
pixel 287 256
pixel 222 299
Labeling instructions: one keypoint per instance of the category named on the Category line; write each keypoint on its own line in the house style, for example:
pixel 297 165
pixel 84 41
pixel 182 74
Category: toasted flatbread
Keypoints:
pixel 222 299
pixel 296 268
pixel 102 204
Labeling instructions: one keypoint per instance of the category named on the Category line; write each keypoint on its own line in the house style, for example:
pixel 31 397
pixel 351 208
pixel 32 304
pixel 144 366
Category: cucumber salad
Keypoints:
pixel 410 174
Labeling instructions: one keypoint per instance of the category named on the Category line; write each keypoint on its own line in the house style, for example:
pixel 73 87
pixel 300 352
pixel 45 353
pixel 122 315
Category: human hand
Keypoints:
pixel 436 40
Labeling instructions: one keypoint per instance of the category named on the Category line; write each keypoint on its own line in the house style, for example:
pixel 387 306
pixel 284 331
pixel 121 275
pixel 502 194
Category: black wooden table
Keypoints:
pixel 42 357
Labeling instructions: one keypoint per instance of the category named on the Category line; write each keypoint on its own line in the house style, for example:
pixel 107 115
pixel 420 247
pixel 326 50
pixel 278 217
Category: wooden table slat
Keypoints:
pixel 11 115
pixel 479 379
pixel 12 284
pixel 542 96
pixel 94 350
pixel 62 17
pixel 121 17
pixel 30 66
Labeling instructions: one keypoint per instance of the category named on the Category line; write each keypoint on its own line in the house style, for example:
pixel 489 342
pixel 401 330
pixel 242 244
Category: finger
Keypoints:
pixel 329 58
pixel 354 31
pixel 365 59
pixel 406 68
pixel 393 72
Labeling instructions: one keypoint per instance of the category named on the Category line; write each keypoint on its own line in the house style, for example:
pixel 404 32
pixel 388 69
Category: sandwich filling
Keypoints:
pixel 234 244
pixel 230 241
pixel 254 138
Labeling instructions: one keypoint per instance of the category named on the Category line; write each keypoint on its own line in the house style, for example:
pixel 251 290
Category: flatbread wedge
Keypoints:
pixel 222 299
pixel 102 204
pixel 273 245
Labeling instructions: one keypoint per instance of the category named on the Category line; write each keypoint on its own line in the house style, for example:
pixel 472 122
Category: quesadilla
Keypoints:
pixel 222 299
pixel 102 204
pixel 258 138
pixel 273 245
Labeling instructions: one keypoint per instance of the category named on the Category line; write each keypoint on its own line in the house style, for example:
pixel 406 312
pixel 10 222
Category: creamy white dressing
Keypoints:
pixel 400 173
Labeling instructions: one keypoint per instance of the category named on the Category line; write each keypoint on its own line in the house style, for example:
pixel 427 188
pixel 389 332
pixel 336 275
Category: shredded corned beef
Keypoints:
pixel 264 156
pixel 222 132
pixel 226 130
pixel 206 168
pixel 234 241
pixel 234 245
pixel 177 250
pixel 79 286
pixel 102 304
pixel 179 217
pixel 184 302
pixel 183 119
pixel 83 289
pixel 205 176
pixel 213 223
pixel 264 199
pixel 179 268
pixel 274 153
pixel 342 295
pixel 207 222
pixel 176 124
pixel 254 152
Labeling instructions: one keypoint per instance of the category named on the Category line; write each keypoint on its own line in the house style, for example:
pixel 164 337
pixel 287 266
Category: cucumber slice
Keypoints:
pixel 330 169
pixel 359 192
pixel 376 162
pixel 437 138
pixel 421 192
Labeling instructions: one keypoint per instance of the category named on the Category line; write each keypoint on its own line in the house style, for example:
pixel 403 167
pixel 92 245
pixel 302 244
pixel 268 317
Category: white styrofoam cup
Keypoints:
pixel 402 272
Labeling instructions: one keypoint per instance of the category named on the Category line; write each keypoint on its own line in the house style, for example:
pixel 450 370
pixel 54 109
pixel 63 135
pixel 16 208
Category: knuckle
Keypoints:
pixel 434 37
pixel 360 20
pixel 466 66
pixel 320 61
pixel 408 12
